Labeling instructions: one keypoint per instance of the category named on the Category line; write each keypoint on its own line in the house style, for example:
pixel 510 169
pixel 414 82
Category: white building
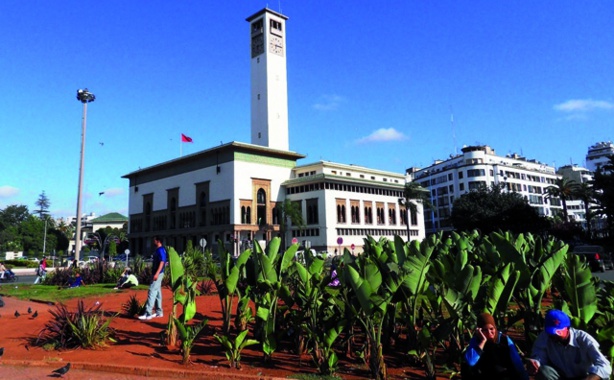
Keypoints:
pixel 479 166
pixel 232 192
pixel 597 155
pixel 575 207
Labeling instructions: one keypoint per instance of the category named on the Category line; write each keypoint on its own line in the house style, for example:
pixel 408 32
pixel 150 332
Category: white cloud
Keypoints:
pixel 8 191
pixel 329 102
pixel 583 105
pixel 383 134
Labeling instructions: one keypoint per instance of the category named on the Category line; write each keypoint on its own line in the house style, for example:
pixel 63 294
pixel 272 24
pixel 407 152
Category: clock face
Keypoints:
pixel 257 45
pixel 276 45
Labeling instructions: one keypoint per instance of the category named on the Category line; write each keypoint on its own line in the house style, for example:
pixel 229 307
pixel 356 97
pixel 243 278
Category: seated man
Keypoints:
pixel 77 281
pixel 562 352
pixel 127 281
pixel 2 270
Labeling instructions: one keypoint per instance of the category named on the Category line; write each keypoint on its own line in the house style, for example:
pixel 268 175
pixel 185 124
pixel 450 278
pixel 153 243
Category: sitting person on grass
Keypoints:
pixel 77 281
pixel 127 281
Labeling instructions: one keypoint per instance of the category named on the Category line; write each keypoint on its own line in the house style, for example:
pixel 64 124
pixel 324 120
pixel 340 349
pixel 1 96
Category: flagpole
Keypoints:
pixel 180 147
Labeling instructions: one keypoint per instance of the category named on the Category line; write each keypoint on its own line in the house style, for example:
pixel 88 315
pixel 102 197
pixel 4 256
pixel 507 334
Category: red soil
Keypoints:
pixel 140 354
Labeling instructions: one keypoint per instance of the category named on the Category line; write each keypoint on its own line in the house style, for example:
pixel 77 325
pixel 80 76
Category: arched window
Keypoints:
pixel 261 204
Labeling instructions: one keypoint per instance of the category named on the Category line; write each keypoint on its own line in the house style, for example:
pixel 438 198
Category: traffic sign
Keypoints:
pixel 203 242
pixel 352 246
pixel 339 240
pixel 294 240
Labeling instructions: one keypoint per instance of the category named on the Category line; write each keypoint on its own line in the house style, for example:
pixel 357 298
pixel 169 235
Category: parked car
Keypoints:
pixel 596 257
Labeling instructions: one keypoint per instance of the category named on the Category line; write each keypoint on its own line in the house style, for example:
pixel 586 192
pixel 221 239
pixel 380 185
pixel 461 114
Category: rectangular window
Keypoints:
pixel 275 25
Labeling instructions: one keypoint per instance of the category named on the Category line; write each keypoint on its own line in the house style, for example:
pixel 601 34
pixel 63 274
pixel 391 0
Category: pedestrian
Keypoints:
pixel 154 295
pixel 41 272
pixel 491 354
pixel 562 352
pixel 2 270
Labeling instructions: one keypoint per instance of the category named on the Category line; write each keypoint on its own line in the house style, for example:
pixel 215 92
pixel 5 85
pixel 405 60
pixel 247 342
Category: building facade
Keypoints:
pixel 233 192
pixel 598 154
pixel 479 166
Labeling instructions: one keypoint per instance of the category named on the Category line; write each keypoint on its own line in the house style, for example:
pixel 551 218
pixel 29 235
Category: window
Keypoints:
pixel 202 206
pixel 340 213
pixel 476 173
pixel 312 211
pixel 261 204
pixel 173 215
pixel 414 218
pixel 460 175
pixel 275 25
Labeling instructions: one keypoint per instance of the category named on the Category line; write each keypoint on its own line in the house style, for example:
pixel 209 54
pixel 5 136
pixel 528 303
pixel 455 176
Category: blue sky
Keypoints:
pixel 371 83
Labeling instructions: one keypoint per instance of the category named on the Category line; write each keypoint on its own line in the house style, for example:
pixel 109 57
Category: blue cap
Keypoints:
pixel 556 320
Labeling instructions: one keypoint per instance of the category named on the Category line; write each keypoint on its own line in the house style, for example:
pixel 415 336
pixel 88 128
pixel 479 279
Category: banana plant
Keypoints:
pixel 188 335
pixel 578 290
pixel 184 293
pixel 375 279
pixel 235 346
pixel 227 281
pixel 537 262
pixel 317 310
pixel 269 271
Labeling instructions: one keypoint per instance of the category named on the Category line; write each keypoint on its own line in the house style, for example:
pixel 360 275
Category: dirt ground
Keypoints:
pixel 140 354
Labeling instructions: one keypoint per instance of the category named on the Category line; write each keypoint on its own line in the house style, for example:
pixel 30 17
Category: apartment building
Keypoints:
pixel 479 166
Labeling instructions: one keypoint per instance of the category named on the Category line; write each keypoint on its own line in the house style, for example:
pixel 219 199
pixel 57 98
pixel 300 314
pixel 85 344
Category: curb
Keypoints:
pixel 143 371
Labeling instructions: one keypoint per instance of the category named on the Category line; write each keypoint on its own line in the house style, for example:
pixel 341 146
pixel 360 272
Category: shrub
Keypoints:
pixel 86 328
pixel 133 306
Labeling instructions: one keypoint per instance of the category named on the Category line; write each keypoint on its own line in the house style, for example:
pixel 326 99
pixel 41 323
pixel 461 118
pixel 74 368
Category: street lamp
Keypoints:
pixel 84 96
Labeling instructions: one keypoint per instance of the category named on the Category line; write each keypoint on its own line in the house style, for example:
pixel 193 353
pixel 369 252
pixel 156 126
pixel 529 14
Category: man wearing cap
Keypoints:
pixel 562 352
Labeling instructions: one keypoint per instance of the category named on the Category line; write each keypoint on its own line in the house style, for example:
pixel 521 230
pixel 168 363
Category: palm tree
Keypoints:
pixel 413 194
pixel 292 211
pixel 586 194
pixel 564 189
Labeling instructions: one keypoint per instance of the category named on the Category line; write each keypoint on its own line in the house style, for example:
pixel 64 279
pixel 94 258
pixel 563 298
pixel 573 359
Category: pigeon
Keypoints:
pixel 17 314
pixel 35 314
pixel 29 310
pixel 61 371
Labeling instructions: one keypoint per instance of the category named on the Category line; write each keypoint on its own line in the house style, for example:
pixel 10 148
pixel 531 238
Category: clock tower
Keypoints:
pixel 269 84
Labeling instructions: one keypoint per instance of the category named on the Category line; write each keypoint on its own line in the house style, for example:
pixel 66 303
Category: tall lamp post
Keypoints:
pixel 84 96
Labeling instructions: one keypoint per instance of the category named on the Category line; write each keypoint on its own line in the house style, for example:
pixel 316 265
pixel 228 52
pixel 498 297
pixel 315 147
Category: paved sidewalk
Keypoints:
pixel 26 370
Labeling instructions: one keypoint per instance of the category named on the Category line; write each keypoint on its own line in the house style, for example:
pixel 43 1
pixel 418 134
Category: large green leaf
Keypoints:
pixel 176 267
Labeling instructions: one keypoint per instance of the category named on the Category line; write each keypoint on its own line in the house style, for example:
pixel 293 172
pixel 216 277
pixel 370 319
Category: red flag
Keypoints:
pixel 185 138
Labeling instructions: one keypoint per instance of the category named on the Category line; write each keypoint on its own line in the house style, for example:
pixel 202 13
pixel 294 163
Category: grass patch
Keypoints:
pixel 52 293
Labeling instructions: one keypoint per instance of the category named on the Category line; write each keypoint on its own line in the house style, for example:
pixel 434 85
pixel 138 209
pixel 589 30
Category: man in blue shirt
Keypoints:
pixel 562 352
pixel 154 296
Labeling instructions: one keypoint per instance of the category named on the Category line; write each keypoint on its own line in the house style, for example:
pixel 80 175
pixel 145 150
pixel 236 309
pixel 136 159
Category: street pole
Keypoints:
pixel 84 96
pixel 45 238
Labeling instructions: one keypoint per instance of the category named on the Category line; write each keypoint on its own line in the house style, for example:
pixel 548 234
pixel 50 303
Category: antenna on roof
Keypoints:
pixel 453 131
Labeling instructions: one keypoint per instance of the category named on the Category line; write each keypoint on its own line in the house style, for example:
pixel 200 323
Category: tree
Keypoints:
pixel 43 204
pixel 292 211
pixel 563 188
pixel 13 215
pixel 490 209
pixel 413 194
pixel 603 185
pixel 586 194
